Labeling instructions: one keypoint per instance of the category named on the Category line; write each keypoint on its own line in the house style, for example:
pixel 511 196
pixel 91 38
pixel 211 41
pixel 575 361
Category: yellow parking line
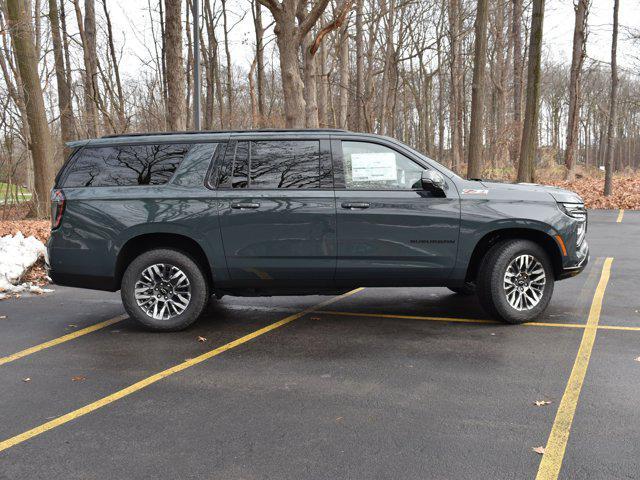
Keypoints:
pixel 407 317
pixel 557 442
pixel 10 442
pixel 620 215
pixel 59 340
pixel 447 319
pixel 615 327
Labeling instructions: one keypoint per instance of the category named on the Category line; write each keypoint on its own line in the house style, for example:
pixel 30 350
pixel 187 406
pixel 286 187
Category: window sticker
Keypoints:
pixel 373 167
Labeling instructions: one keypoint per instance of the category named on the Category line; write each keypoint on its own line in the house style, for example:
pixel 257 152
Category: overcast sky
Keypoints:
pixel 131 27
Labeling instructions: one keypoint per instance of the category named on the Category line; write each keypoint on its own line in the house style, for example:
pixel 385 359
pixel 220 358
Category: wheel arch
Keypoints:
pixel 151 241
pixel 544 240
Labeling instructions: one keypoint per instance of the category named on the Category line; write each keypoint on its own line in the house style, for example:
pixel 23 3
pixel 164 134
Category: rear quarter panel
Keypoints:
pixel 98 221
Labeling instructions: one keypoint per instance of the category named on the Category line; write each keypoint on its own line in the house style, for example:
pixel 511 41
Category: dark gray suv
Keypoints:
pixel 173 219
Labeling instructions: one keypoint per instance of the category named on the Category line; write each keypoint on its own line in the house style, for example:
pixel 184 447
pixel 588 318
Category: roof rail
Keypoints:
pixel 196 132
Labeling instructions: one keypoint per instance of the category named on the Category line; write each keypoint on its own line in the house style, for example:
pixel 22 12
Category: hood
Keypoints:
pixel 559 194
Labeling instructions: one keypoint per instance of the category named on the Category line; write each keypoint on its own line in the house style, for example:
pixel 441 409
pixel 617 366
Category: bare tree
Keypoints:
pixel 577 59
pixel 526 166
pixel 67 123
pixel 41 144
pixel 474 163
pixel 613 104
pixel 87 29
pixel 518 68
pixel 289 37
pixel 456 85
pixel 259 32
pixel 176 111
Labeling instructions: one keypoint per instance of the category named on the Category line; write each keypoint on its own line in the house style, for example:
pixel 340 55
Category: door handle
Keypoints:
pixel 245 205
pixel 359 205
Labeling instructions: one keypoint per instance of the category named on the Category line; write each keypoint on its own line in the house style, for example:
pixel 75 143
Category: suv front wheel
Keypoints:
pixel 515 281
pixel 164 289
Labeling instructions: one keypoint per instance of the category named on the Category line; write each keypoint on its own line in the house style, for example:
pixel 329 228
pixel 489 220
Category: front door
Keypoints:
pixel 277 212
pixel 390 230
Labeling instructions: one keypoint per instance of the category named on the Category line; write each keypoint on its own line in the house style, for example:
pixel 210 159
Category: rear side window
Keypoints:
pixel 273 164
pixel 126 165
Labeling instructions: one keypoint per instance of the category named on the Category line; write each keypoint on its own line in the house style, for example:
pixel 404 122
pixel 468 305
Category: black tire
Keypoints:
pixel 490 281
pixel 467 289
pixel 199 289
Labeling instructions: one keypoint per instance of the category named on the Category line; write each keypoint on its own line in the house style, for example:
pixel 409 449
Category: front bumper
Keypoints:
pixel 580 262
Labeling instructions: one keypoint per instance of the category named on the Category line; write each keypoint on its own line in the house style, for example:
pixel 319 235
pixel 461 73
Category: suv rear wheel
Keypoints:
pixel 515 281
pixel 164 289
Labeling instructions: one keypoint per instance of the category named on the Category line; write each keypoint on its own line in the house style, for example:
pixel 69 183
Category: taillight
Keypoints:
pixel 57 208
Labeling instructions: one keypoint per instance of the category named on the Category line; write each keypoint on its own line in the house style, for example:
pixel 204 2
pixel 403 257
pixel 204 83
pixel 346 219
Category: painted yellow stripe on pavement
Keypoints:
pixel 620 215
pixel 448 319
pixel 619 328
pixel 557 443
pixel 10 442
pixel 62 339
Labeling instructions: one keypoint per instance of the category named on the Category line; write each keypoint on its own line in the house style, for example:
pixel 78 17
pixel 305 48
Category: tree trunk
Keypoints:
pixel 455 103
pixel 176 112
pixel 474 162
pixel 116 69
pixel 344 76
pixel 229 65
pixel 518 67
pixel 323 87
pixel 526 166
pixel 88 35
pixel 613 101
pixel 310 84
pixel 67 127
pixel 289 38
pixel 41 145
pixel 292 86
pixel 259 30
pixel 359 67
pixel 577 58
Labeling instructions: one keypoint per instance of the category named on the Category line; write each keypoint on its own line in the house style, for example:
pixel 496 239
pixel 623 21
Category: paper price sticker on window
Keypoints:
pixel 373 167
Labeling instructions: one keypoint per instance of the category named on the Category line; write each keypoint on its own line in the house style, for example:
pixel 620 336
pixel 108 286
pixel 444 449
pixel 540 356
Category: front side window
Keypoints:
pixel 273 164
pixel 126 165
pixel 369 166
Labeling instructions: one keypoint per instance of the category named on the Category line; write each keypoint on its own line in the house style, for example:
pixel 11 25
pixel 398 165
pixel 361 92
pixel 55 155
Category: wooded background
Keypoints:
pixel 465 82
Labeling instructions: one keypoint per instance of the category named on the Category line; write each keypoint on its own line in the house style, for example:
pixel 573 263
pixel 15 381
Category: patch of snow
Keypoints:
pixel 17 254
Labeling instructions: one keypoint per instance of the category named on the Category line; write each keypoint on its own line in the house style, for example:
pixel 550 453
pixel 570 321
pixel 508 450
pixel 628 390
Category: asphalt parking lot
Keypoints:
pixel 378 383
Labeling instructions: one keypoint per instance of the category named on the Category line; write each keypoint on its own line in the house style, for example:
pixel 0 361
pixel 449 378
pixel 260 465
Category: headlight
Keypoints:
pixel 574 210
pixel 577 211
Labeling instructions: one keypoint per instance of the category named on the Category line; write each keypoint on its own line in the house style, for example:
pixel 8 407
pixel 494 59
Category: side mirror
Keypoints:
pixel 433 181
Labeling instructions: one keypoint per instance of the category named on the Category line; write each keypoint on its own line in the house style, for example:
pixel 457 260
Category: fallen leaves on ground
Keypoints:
pixel 202 339
pixel 625 192
pixel 38 228
pixel 539 450
pixel 541 403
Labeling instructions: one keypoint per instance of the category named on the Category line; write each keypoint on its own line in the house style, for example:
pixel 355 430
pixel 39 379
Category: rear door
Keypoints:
pixel 390 230
pixel 277 211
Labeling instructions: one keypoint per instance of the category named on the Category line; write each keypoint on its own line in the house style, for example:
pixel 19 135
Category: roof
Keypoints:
pixel 207 136
pixel 261 130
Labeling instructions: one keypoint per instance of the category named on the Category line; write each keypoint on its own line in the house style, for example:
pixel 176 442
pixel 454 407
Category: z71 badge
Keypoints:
pixel 474 191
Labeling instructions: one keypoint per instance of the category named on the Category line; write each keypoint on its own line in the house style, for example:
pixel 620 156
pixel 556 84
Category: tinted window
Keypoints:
pixel 285 164
pixel 369 166
pixel 240 177
pixel 275 164
pixel 126 165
